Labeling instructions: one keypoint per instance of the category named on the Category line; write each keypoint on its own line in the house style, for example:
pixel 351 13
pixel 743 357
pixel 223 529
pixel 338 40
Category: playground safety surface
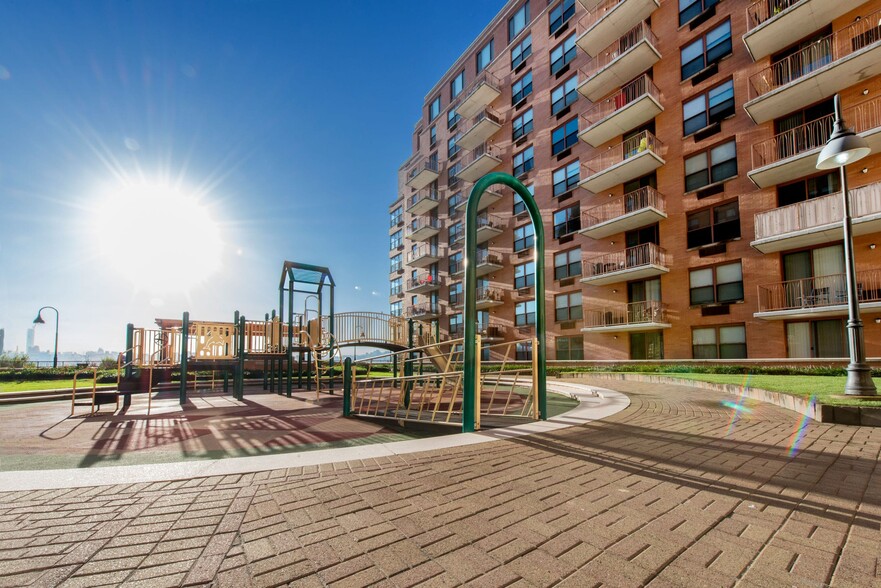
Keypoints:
pixel 678 489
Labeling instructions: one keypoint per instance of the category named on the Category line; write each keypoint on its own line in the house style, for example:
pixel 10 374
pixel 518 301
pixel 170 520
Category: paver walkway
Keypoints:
pixel 669 492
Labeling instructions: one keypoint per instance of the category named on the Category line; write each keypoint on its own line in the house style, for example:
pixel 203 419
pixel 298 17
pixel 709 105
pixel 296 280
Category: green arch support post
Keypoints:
pixel 470 291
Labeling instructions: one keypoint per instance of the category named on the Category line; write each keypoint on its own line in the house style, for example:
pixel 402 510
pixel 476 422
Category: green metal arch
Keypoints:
pixel 470 291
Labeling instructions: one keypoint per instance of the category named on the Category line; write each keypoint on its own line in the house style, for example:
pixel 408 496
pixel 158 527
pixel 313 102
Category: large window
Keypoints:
pixel 518 22
pixel 571 348
pixel 560 14
pixel 454 201
pixel 708 108
pixel 396 263
pixel 396 240
pixel 396 286
pixel 564 95
pixel 457 85
pixel 567 221
pixel 521 51
pixel 524 313
pixel 453 175
pixel 456 264
pixel 456 328
pixel 452 146
pixel 719 284
pixel 689 9
pixel 519 205
pixel 484 56
pixel 564 136
pixel 432 136
pixel 710 167
pixel 457 232
pixel 566 178
pixel 807 188
pixel 434 109
pixel 524 237
pixel 522 125
pixel 707 50
pixel 396 216
pixel 727 342
pixel 714 225
pixel 452 119
pixel 395 308
pixel 456 294
pixel 567 307
pixel 567 264
pixel 563 53
pixel 524 161
pixel 524 275
pixel 523 351
pixel 521 88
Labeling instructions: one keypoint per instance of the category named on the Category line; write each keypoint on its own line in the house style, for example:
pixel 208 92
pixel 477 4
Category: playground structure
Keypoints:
pixel 430 380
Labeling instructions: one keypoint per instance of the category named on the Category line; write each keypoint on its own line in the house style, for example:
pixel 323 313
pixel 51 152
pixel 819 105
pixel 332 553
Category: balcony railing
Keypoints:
pixel 818 291
pixel 489 295
pixel 641 86
pixel 423 195
pixel 427 164
pixel 422 251
pixel 480 93
pixel 487 257
pixel 423 222
pixel 632 38
pixel 484 149
pixel 646 254
pixel 634 313
pixel 759 12
pixel 489 331
pixel 424 279
pixel 645 197
pixel 818 212
pixel 424 309
pixel 644 141
pixel 485 114
pixel 490 220
pixel 829 49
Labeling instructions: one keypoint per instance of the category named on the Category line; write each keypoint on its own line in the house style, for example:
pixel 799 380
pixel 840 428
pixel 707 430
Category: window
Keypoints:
pixel 719 342
pixel 524 237
pixel 456 265
pixel 453 174
pixel 396 216
pixel 566 178
pixel 452 119
pixel 455 200
pixel 706 51
pixel 564 136
pixel 484 56
pixel 457 84
pixel 396 263
pixel 805 189
pixel 688 9
pixel 714 225
pixel 524 275
pixel 567 221
pixel 434 109
pixel 395 286
pixel 432 136
pixel 570 347
pixel 457 232
pixel 710 167
pixel 523 351
pixel 519 205
pixel 518 22
pixel 456 329
pixel 564 95
pixel 522 125
pixel 562 54
pixel 524 161
pixel 822 338
pixel 396 240
pixel 521 88
pixel 722 283
pixel 560 14
pixel 567 264
pixel 521 51
pixel 452 147
pixel 456 294
pixel 395 308
pixel 708 108
pixel 567 307
pixel 524 313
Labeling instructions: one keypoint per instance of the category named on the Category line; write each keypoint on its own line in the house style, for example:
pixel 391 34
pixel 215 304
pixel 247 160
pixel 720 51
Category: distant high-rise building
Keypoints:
pixel 2 337
pixel 30 346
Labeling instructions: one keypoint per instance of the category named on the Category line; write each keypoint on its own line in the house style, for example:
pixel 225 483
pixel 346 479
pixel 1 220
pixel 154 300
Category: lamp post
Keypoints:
pixel 844 147
pixel 39 321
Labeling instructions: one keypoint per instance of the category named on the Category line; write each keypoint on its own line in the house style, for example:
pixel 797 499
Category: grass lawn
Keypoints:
pixel 24 386
pixel 824 387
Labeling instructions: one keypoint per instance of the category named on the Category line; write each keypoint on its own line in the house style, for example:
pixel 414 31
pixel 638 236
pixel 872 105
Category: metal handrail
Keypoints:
pixel 818 291
pixel 425 279
pixel 639 33
pixel 763 10
pixel 488 257
pixel 428 163
pixel 422 251
pixel 485 77
pixel 597 14
pixel 644 141
pixel 629 258
pixel 425 194
pixel 633 313
pixel 423 309
pixel 641 86
pixel 645 197
pixel 422 222
pixel 492 221
pixel 487 149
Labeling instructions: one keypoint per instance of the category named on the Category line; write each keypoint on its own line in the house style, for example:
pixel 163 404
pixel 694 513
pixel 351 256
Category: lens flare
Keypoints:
pixel 738 407
pixel 800 429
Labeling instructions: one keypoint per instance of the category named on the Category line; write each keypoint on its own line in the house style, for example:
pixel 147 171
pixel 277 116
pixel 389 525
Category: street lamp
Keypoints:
pixel 39 321
pixel 843 147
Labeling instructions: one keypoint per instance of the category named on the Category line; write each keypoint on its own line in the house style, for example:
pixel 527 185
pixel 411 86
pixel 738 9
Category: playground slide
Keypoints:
pixel 438 358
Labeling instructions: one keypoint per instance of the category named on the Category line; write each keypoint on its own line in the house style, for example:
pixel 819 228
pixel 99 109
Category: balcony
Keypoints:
pixel 649 315
pixel 482 127
pixel 634 263
pixel 589 4
pixel 424 283
pixel 480 161
pixel 793 154
pixel 423 173
pixel 486 298
pixel 487 263
pixel 488 226
pixel 610 20
pixel 819 296
pixel 423 312
pixel 817 220
pixel 490 332
pixel 423 201
pixel 423 256
pixel 816 72
pixel 481 94
pixel 636 104
pixel 774 25
pixel 423 228
pixel 636 209
pixel 628 160
pixel 620 62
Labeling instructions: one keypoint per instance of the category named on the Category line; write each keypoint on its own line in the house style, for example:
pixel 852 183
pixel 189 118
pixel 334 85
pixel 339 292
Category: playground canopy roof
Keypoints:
pixel 312 277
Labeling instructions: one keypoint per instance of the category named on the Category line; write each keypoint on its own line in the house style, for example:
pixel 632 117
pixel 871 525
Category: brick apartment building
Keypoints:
pixel 671 147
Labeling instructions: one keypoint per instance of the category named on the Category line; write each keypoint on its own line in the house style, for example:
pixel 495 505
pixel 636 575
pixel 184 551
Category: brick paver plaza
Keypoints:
pixel 669 492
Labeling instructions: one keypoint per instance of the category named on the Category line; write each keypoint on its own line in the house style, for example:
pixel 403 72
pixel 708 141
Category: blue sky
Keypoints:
pixel 285 122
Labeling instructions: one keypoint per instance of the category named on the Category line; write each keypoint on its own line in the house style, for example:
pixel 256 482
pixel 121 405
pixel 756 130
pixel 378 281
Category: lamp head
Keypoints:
pixel 844 146
pixel 39 320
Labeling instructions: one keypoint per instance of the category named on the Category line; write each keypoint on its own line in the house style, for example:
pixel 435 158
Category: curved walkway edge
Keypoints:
pixel 594 404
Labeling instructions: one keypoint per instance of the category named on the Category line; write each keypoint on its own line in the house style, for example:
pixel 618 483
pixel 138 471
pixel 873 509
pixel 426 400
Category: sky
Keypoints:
pixel 163 156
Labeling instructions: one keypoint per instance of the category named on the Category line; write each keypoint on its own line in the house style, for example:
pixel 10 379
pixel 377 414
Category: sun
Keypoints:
pixel 156 236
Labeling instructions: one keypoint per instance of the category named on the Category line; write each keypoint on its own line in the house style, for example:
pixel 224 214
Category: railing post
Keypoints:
pixel 347 386
pixel 129 351
pixel 184 349
pixel 536 413
pixel 241 383
pixel 477 390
